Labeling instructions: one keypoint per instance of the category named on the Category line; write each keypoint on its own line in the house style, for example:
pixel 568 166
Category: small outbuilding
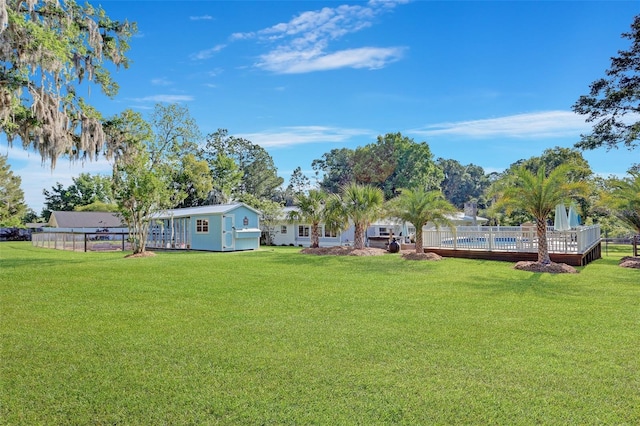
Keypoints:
pixel 221 227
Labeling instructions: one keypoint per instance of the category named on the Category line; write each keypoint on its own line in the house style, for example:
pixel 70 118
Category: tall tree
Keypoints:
pixel 139 185
pixel 192 181
pixel 58 198
pixel 92 188
pixel 538 195
pixel 259 174
pixel 147 175
pixel 86 189
pixel 356 204
pixel 578 171
pixel 462 183
pixel 227 178
pixel 419 207
pixel 48 47
pixel 557 156
pixel 395 162
pixel 299 183
pixel 12 205
pixel 336 167
pixel 311 209
pixel 613 102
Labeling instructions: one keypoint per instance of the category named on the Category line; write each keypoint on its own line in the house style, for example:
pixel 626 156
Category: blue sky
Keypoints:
pixel 482 82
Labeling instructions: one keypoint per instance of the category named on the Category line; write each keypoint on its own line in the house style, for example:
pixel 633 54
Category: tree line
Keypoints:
pixel 51 47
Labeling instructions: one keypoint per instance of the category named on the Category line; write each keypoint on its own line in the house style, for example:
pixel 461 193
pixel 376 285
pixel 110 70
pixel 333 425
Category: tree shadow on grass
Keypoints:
pixel 519 282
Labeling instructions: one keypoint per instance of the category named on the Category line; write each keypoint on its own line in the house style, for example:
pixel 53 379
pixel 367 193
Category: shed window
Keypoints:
pixel 202 226
pixel 283 229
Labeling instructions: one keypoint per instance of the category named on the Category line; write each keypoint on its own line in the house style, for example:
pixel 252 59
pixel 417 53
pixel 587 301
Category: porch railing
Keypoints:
pixel 511 238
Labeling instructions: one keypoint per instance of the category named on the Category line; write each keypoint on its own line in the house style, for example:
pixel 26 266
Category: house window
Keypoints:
pixel 303 231
pixel 329 233
pixel 383 231
pixel 283 229
pixel 202 226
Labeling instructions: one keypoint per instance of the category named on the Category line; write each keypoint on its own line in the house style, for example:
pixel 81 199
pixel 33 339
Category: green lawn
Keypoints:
pixel 277 337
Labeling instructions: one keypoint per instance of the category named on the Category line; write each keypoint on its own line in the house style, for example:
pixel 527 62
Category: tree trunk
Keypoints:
pixel 358 237
pixel 543 244
pixel 315 236
pixel 418 239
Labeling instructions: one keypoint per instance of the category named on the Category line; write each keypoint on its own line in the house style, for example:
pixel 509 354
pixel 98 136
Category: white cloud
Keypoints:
pixel 299 135
pixel 161 81
pixel 165 98
pixel 303 44
pixel 546 124
pixel 201 18
pixel 302 62
pixel 207 53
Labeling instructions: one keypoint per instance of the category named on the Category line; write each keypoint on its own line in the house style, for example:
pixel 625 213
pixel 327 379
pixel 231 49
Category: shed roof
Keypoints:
pixel 64 219
pixel 202 210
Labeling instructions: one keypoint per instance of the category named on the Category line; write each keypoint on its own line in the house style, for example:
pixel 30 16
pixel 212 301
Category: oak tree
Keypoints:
pixel 47 49
pixel 613 102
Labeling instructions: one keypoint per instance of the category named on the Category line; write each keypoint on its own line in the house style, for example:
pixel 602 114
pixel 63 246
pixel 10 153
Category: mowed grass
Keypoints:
pixel 277 337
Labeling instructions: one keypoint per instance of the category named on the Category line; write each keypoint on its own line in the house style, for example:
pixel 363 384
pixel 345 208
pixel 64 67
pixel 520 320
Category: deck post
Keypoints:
pixel 490 239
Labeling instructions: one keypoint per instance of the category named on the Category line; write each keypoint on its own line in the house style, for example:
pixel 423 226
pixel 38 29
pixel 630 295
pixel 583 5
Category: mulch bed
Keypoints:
pixel 344 251
pixel 367 251
pixel 630 262
pixel 552 268
pixel 143 254
pixel 412 255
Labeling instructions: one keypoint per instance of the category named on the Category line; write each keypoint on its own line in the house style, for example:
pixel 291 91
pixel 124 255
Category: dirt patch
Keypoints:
pixel 630 262
pixel 344 251
pixel 412 255
pixel 552 268
pixel 143 254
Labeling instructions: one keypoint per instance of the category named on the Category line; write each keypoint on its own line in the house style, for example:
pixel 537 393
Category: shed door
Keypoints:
pixel 228 239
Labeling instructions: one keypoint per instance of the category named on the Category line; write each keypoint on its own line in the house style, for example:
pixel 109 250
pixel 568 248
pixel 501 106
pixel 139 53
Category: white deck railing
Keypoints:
pixel 511 238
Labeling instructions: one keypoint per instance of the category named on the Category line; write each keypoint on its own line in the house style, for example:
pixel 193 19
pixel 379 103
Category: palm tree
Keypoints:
pixel 360 204
pixel 538 195
pixel 419 206
pixel 625 198
pixel 311 209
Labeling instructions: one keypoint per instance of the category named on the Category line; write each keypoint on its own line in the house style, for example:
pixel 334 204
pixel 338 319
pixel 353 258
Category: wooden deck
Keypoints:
pixel 576 247
pixel 573 259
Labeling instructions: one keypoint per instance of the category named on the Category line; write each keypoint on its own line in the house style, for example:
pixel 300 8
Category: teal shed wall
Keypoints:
pixel 215 239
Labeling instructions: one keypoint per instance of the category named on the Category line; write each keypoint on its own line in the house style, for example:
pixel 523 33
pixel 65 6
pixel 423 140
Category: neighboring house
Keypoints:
pixel 72 221
pixel 378 233
pixel 221 227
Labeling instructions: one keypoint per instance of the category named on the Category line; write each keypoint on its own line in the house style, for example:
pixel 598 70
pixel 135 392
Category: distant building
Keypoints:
pixel 85 222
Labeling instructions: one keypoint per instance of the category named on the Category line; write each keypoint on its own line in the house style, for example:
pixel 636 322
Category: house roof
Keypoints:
pixel 64 219
pixel 202 210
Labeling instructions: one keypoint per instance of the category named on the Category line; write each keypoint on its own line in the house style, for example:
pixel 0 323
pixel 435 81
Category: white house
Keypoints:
pixel 378 234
